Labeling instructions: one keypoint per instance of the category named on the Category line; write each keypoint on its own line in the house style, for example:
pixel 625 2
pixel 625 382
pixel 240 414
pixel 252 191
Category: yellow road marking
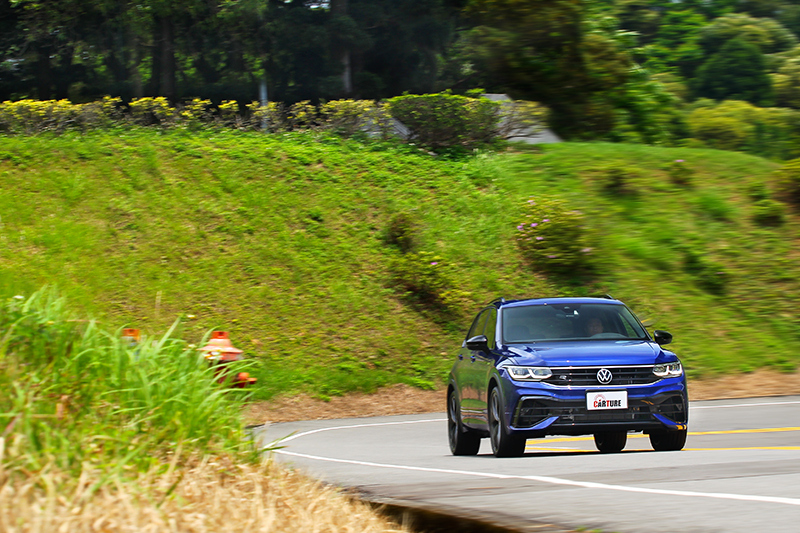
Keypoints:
pixel 691 433
pixel 757 430
pixel 747 448
pixel 562 450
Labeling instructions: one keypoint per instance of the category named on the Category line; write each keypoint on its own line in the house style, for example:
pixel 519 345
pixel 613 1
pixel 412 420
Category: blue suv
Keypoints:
pixel 564 366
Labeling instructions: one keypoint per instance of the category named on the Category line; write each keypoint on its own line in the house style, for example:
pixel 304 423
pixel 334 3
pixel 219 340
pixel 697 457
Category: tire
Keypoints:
pixel 610 441
pixel 504 444
pixel 668 441
pixel 462 440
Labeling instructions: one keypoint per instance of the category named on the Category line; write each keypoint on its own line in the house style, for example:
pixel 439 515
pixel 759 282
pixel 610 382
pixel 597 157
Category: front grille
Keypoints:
pixel 587 376
pixel 531 411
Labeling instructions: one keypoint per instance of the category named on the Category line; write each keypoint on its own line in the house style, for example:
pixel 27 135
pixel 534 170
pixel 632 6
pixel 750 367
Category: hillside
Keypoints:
pixel 284 242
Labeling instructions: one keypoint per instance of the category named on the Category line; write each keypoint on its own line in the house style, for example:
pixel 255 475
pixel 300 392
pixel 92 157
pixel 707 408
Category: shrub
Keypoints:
pixel 402 232
pixel 724 133
pixel 196 112
pixel 446 120
pixel 229 115
pixel 788 182
pixel 273 116
pixel 80 396
pixel 554 238
pixel 302 115
pixel 348 117
pixel 680 173
pixel 768 212
pixel 33 116
pixel 150 111
pixel 708 275
pixel 520 118
pixel 758 191
pixel 622 181
pixel 426 279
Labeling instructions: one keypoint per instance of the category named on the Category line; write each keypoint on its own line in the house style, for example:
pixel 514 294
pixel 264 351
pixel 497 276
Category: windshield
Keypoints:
pixel 558 322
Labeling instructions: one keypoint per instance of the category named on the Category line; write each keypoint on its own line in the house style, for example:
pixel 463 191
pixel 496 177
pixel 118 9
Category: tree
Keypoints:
pixel 765 33
pixel 736 72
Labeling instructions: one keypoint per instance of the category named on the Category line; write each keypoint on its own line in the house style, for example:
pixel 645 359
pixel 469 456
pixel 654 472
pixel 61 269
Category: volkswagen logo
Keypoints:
pixel 604 376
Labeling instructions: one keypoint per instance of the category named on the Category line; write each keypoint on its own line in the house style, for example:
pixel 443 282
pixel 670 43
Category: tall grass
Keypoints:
pixel 72 394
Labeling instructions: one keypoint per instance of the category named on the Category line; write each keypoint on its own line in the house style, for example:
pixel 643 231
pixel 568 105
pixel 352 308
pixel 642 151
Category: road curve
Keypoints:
pixel 739 472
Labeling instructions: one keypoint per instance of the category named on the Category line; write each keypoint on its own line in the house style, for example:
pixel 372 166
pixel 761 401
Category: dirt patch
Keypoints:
pixel 405 400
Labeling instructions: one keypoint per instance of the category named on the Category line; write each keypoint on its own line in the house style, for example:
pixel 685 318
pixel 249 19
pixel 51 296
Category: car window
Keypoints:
pixel 491 326
pixel 569 322
pixel 478 325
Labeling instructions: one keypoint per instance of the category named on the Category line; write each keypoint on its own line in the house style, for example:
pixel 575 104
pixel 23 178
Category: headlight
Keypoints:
pixel 668 370
pixel 528 373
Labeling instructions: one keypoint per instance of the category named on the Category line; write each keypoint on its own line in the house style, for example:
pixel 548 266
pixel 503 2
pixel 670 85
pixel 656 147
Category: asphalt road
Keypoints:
pixel 739 472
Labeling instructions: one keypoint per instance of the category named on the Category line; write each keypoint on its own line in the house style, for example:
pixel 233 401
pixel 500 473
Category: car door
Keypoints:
pixel 485 363
pixel 466 374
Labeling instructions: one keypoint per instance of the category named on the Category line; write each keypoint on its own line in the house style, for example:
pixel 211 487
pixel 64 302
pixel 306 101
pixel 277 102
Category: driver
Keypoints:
pixel 593 327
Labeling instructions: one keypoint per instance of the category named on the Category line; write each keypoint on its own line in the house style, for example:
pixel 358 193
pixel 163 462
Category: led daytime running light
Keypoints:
pixel 528 373
pixel 668 370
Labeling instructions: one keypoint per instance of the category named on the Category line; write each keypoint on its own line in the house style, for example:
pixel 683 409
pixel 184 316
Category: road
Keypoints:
pixel 739 472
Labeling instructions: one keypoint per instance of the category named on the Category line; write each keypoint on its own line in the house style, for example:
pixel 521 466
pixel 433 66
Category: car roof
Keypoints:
pixel 556 300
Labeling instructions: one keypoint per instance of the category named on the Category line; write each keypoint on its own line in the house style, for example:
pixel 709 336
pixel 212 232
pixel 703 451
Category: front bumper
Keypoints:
pixel 563 411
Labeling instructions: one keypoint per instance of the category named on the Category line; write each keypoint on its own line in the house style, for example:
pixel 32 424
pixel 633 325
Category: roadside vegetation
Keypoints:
pixel 342 265
pixel 337 265
pixel 100 435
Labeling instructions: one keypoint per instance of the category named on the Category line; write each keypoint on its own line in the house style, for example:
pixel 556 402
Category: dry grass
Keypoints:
pixel 207 496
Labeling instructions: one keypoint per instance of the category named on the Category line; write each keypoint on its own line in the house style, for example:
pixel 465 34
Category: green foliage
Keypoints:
pixel 424 278
pixel 736 72
pixel 786 84
pixel 150 111
pixel 519 118
pixel 623 181
pixel 768 212
pixel 281 240
pixel 708 275
pixel 734 125
pixel 446 120
pixel 34 116
pixel 554 238
pixel 680 173
pixel 714 206
pixel 788 182
pixel 402 232
pixel 79 396
pixel 347 117
pixel 766 34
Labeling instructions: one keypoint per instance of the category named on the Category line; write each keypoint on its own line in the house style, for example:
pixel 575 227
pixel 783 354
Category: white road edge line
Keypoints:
pixel 375 424
pixel 559 481
pixel 740 405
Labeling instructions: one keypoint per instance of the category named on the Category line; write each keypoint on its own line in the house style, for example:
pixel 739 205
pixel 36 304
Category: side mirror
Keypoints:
pixel 478 343
pixel 662 337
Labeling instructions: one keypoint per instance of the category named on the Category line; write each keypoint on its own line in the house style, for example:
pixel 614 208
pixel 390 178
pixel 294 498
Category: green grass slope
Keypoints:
pixel 281 240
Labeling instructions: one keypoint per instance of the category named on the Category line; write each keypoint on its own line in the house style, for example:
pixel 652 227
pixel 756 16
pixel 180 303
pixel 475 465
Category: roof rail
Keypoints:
pixel 497 300
pixel 608 297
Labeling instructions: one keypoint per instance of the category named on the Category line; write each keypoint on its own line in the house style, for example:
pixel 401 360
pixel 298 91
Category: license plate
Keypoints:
pixel 607 400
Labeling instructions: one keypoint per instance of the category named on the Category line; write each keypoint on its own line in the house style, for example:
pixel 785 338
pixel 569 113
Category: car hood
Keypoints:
pixel 588 353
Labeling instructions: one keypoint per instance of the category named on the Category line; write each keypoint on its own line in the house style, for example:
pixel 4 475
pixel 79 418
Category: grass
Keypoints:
pixel 282 241
pixel 201 497
pixel 75 396
pixel 101 435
